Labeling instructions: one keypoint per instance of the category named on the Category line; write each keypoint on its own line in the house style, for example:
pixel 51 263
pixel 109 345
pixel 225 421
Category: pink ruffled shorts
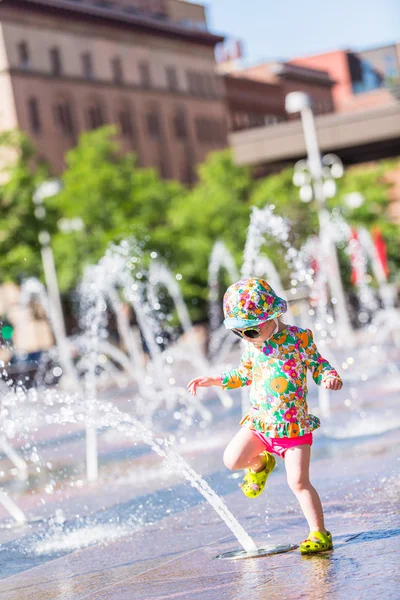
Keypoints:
pixel 280 445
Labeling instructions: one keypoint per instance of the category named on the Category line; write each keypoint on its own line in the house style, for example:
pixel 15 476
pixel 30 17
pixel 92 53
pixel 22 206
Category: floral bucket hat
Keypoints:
pixel 250 302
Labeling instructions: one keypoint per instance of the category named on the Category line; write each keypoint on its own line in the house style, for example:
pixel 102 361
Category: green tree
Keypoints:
pixel 279 192
pixel 22 173
pixel 217 208
pixel 113 197
pixel 370 180
pixel 373 182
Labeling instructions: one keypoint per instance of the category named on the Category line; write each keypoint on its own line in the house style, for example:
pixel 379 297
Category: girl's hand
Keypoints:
pixel 202 382
pixel 332 383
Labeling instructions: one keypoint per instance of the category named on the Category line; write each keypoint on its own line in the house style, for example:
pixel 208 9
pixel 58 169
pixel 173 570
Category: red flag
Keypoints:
pixel 380 248
pixel 355 258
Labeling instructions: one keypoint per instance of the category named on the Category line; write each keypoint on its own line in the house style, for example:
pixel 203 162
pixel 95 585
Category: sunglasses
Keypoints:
pixel 251 333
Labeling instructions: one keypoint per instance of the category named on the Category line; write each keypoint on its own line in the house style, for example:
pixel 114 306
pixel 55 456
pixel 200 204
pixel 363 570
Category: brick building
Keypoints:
pixel 67 66
pixel 385 59
pixel 359 83
pixel 256 95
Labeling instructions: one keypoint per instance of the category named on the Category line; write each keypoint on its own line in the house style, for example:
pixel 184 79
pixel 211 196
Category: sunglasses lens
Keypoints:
pixel 252 333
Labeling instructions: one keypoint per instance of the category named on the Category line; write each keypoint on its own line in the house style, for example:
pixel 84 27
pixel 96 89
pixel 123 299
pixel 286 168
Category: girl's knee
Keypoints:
pixel 230 460
pixel 298 484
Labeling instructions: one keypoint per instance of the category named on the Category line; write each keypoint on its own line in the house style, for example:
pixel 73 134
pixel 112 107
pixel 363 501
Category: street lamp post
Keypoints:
pixel 299 102
pixel 47 190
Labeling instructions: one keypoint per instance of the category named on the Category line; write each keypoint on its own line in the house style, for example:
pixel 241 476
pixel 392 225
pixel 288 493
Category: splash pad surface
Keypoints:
pixel 139 531
pixel 140 536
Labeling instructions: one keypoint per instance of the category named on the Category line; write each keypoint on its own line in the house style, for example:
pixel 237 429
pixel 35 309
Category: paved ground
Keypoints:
pixel 174 557
pixel 158 539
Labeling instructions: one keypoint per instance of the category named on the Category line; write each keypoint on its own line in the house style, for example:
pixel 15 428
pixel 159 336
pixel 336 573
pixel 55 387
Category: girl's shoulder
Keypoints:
pixel 303 336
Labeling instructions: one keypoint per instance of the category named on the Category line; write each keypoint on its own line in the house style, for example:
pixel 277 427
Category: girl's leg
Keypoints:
pixel 297 464
pixel 243 452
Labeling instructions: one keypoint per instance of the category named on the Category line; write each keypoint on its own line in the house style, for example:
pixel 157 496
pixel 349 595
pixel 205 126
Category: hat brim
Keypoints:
pixel 248 323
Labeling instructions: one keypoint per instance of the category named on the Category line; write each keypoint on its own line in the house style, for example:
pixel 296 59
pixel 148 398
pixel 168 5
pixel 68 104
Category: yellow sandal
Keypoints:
pixel 254 483
pixel 316 542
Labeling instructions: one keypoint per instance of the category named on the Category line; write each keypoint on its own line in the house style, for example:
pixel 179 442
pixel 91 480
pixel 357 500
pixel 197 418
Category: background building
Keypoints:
pixel 256 95
pixel 386 60
pixel 355 98
pixel 67 66
pixel 359 81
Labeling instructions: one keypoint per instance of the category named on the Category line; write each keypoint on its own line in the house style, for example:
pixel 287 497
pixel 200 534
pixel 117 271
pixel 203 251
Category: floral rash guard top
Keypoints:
pixel 277 374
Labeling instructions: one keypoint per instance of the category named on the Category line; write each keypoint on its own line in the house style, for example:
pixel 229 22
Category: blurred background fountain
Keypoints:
pixel 156 357
pixel 125 371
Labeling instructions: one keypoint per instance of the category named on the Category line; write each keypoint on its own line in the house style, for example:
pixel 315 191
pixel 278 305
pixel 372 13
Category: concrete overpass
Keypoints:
pixel 356 137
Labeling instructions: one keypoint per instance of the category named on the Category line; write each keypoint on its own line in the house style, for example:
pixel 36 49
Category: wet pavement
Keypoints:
pixel 175 556
pixel 152 536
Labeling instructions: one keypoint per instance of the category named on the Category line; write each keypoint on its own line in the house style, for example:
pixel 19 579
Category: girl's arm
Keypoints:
pixel 239 377
pixel 229 380
pixel 203 382
pixel 321 369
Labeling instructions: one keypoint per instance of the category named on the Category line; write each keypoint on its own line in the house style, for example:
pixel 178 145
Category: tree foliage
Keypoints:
pixel 113 197
pixel 20 176
pixel 373 181
pixel 217 208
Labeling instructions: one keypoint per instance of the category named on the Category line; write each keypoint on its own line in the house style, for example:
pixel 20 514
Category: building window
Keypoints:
pixel 87 65
pixel 318 107
pixel 199 84
pixel 172 79
pixel 390 69
pixel 23 55
pixel 116 69
pixel 34 116
pixel 180 125
pixel 131 10
pixel 144 74
pixel 63 118
pixel 210 86
pixel 125 123
pixel 55 61
pixel 187 173
pixel 210 131
pixel 244 120
pixel 363 76
pixel 153 125
pixel 163 167
pixel 271 120
pixel 104 4
pixel 192 82
pixel 94 117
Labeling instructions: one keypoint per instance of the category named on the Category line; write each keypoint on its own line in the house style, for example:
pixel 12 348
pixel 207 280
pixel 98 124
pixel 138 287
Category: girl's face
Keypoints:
pixel 266 330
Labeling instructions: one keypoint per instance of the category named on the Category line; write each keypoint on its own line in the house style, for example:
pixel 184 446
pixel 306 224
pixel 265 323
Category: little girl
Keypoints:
pixel 274 363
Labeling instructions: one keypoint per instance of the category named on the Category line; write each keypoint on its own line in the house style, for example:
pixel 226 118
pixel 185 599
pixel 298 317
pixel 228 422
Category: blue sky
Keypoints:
pixel 279 29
